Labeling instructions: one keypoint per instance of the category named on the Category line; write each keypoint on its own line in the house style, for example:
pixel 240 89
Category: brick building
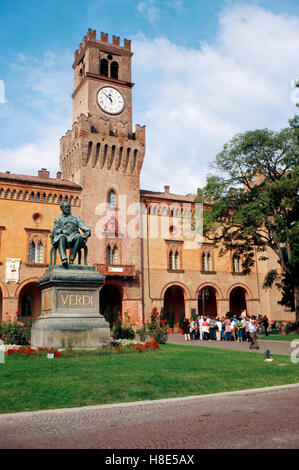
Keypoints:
pixel 137 239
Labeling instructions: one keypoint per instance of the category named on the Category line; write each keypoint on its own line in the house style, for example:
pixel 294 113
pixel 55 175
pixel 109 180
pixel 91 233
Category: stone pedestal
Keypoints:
pixel 70 309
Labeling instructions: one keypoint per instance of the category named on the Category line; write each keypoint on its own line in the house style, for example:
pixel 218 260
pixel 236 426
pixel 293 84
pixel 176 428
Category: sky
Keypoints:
pixel 204 70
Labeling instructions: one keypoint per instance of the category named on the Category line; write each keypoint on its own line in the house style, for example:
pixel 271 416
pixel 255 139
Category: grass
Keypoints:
pixel 34 383
pixel 279 337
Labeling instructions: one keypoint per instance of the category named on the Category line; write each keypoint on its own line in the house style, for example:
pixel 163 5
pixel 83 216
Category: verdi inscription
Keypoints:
pixel 75 300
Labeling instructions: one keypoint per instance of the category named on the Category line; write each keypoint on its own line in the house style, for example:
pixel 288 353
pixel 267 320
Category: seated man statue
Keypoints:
pixel 65 234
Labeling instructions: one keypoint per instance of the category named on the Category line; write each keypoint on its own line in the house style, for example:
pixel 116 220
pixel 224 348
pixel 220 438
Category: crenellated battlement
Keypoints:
pixel 91 37
pixel 98 143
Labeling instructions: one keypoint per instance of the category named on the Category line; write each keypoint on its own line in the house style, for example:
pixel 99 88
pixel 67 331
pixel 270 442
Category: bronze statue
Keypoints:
pixel 65 235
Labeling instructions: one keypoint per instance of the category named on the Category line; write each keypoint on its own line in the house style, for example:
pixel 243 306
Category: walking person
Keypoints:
pixel 252 327
pixel 186 329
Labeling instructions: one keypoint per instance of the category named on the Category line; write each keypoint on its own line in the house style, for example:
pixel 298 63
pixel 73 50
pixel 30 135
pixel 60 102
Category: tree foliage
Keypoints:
pixel 252 202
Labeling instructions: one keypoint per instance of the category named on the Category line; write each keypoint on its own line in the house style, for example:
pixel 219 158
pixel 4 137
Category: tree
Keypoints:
pixel 252 204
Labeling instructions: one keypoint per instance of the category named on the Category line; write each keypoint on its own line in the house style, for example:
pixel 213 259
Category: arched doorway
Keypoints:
pixel 29 301
pixel 237 300
pixel 110 302
pixel 207 305
pixel 174 298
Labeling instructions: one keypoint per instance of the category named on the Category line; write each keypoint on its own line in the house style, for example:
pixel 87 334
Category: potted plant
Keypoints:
pixel 181 320
pixel 171 320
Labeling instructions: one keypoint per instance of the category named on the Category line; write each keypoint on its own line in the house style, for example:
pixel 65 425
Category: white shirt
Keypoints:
pixel 252 327
pixel 219 324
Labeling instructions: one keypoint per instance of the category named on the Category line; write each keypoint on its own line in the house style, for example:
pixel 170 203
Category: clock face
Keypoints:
pixel 110 100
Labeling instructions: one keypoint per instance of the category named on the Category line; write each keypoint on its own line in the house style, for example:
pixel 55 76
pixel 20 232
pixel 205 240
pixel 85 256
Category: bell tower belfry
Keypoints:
pixel 99 64
pixel 104 155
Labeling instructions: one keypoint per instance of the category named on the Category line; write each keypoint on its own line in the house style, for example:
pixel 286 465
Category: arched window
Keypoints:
pixel 170 260
pixel 115 255
pixel 104 67
pixel 236 264
pixel 108 255
pixel 176 261
pixel 32 252
pixel 36 252
pixel 26 306
pixel 39 257
pixel 206 262
pixel 111 198
pixel 114 70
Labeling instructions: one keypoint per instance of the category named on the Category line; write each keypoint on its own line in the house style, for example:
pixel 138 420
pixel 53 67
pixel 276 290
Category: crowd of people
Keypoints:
pixel 228 328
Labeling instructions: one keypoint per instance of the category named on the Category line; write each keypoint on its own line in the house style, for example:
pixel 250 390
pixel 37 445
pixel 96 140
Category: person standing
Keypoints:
pixel 266 325
pixel 218 329
pixel 193 329
pixel 239 330
pixel 227 328
pixel 212 329
pixel 200 322
pixel 252 327
pixel 186 329
pixel 205 329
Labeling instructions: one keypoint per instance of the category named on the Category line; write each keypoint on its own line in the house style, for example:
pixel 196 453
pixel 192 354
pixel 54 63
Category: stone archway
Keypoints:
pixel 174 298
pixel 237 300
pixel 207 303
pixel 110 302
pixel 29 301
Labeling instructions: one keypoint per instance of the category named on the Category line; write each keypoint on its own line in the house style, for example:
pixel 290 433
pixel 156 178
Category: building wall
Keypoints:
pixel 21 222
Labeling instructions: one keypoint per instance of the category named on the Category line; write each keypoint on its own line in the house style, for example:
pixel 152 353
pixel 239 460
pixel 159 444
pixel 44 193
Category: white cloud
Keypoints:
pixel 191 100
pixel 149 10
pixel 195 100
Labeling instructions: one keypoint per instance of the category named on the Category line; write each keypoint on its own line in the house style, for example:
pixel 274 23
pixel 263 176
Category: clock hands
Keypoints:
pixel 108 96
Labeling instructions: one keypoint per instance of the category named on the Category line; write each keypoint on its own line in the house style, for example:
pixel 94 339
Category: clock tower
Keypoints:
pixel 104 155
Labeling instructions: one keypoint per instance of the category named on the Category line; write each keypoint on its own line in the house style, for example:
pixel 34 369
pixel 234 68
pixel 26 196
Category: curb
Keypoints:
pixel 251 391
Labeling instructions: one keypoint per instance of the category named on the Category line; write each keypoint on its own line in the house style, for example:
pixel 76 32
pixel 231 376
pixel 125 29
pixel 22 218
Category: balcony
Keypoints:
pixel 124 270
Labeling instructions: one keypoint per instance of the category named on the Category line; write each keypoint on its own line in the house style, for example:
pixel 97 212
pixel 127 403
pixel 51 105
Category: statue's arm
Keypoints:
pixel 84 229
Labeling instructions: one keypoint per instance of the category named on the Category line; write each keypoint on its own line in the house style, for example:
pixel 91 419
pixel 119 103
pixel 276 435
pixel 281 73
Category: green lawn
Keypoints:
pixel 279 337
pixel 34 383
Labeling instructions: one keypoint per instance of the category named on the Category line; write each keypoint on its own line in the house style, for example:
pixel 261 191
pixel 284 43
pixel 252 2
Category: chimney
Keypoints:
pixel 166 189
pixel 44 173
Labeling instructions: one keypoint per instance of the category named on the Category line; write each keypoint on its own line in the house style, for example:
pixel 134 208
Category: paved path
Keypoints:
pixel 254 420
pixel 275 347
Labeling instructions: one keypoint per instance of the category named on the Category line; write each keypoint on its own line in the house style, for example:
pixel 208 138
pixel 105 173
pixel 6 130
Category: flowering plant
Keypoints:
pixel 157 327
pixel 122 329
pixel 16 332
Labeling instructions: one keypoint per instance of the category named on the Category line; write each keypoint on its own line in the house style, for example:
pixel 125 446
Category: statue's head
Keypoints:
pixel 65 207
